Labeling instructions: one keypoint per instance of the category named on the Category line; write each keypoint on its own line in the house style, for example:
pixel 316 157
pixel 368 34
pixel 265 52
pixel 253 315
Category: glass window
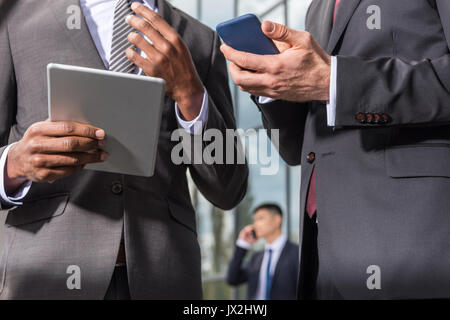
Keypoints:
pixel 216 11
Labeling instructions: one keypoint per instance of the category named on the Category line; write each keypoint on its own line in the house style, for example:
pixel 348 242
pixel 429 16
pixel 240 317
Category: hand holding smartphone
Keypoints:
pixel 248 234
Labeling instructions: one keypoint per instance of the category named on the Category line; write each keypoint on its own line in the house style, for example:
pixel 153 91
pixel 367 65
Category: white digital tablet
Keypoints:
pixel 127 106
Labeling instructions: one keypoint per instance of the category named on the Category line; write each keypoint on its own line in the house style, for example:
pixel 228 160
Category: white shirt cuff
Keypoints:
pixel 242 244
pixel 14 200
pixel 331 105
pixel 264 100
pixel 195 126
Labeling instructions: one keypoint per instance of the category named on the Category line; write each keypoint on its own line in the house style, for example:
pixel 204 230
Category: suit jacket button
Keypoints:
pixel 385 118
pixel 117 188
pixel 370 118
pixel 311 157
pixel 360 117
pixel 377 118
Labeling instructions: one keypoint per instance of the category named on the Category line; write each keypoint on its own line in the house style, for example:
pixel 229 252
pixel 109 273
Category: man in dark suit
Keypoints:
pixel 362 101
pixel 270 273
pixel 95 235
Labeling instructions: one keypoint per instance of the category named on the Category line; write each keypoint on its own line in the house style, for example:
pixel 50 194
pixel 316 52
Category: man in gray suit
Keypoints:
pixel 368 118
pixel 64 237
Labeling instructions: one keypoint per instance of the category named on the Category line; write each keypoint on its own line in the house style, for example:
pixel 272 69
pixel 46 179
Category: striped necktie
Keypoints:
pixel 311 205
pixel 119 61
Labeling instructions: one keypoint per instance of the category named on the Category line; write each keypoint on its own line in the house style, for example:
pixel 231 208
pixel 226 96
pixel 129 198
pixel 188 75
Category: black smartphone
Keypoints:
pixel 244 34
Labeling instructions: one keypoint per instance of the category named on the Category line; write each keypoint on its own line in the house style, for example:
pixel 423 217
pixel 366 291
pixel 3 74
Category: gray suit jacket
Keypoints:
pixel 383 187
pixel 77 221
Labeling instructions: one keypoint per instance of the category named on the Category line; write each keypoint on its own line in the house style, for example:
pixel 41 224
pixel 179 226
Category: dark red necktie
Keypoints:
pixel 311 205
pixel 335 10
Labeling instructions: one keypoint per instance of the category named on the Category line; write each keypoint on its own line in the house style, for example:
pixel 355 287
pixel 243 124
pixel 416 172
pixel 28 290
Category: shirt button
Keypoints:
pixel 116 188
pixel 311 157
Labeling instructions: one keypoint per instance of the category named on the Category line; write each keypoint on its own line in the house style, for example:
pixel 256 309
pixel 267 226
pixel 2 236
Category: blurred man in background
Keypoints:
pixel 271 273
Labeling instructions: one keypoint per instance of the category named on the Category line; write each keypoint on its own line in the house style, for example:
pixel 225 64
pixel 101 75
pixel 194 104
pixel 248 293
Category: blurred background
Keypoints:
pixel 218 230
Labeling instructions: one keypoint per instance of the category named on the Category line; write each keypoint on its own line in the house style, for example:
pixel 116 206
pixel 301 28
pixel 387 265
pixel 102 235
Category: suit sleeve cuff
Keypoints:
pixel 242 244
pixel 195 126
pixel 331 105
pixel 15 199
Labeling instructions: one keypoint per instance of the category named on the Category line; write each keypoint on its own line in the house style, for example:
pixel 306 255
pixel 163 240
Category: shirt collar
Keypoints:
pixel 277 244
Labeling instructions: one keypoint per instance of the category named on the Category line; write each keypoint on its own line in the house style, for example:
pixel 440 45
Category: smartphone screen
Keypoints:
pixel 244 34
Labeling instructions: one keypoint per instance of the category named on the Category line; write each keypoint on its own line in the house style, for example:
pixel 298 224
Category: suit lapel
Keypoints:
pixel 80 38
pixel 345 12
pixel 164 10
pixel 170 15
pixel 321 28
pixel 277 267
pixel 259 260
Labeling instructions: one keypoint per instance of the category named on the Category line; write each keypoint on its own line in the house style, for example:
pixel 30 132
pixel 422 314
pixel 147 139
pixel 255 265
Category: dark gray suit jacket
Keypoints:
pixel 284 281
pixel 383 188
pixel 78 220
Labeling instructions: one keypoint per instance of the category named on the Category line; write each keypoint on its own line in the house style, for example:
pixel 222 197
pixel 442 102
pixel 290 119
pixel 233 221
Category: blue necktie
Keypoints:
pixel 268 276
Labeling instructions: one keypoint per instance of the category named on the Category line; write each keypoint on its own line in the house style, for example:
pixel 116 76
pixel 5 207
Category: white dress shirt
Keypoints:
pixel 99 16
pixel 277 247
